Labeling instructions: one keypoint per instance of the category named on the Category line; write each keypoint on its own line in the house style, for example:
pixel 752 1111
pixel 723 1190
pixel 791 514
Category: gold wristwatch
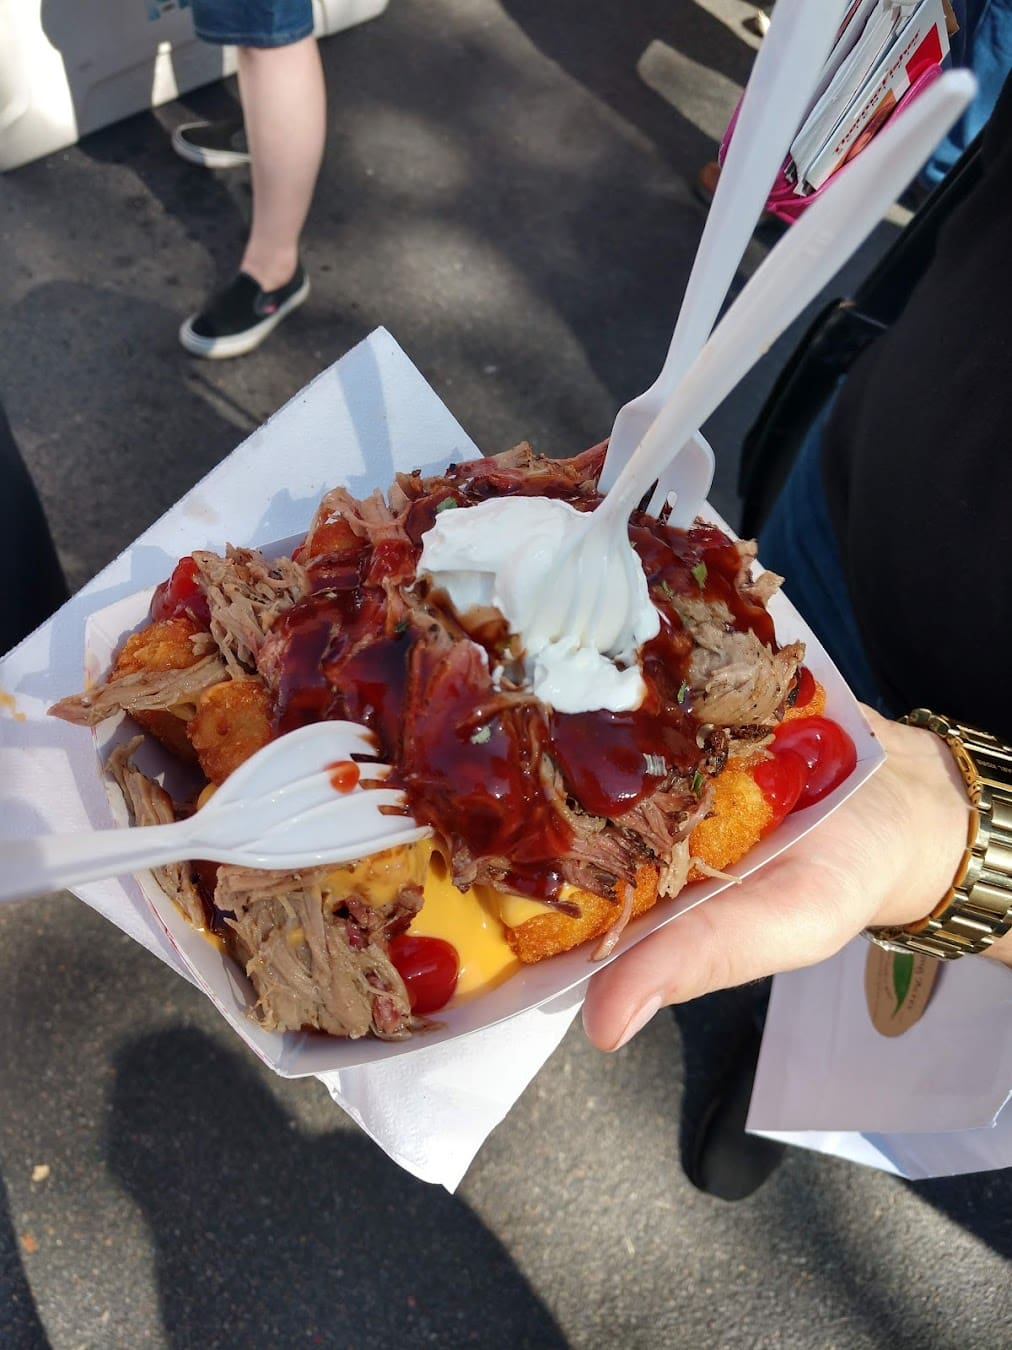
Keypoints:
pixel 978 908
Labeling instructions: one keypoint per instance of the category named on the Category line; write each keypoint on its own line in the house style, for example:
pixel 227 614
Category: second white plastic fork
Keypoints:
pixel 783 78
pixel 298 802
pixel 593 594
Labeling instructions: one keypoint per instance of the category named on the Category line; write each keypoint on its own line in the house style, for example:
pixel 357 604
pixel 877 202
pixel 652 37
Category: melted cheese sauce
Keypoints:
pixel 471 921
pixel 378 879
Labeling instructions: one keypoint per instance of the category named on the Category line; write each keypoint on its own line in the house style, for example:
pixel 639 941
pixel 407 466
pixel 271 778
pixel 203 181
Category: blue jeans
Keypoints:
pixel 984 44
pixel 252 23
pixel 798 542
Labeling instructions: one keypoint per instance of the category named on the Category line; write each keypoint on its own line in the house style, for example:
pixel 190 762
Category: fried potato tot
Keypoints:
pixel 553 932
pixel 739 816
pixel 815 707
pixel 741 813
pixel 165 645
pixel 232 722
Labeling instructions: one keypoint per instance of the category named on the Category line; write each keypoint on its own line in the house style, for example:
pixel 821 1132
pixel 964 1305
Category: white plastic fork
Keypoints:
pixel 781 84
pixel 596 591
pixel 284 809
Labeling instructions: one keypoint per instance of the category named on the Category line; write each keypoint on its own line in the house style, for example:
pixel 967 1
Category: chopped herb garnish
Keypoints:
pixel 401 627
pixel 698 781
pixel 657 765
pixel 447 504
pixel 481 735
pixel 699 572
pixel 683 691
pixel 666 591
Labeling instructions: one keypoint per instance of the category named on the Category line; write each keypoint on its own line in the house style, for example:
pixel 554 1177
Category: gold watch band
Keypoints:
pixel 977 910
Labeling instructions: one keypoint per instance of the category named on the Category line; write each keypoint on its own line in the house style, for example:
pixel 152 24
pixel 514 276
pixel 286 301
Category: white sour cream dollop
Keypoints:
pixel 505 552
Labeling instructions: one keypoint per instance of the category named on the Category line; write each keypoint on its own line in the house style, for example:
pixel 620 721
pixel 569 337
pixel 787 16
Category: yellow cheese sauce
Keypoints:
pixel 472 921
pixel 377 880
pixel 469 923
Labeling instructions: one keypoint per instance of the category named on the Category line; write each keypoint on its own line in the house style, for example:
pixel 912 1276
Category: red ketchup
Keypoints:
pixel 344 775
pixel 429 968
pixel 825 749
pixel 181 594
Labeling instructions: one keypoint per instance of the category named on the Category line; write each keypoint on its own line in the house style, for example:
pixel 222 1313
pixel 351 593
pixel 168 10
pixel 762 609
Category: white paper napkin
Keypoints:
pixel 432 1110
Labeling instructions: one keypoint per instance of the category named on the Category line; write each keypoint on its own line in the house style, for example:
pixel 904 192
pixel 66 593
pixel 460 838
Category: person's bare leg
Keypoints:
pixel 285 110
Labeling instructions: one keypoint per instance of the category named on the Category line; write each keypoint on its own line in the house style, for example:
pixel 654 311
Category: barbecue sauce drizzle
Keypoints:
pixel 471 765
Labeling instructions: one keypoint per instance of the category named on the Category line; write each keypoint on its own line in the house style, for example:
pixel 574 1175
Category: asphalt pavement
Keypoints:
pixel 507 189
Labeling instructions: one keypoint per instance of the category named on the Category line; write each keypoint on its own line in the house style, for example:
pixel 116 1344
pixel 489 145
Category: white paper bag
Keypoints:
pixel 934 1101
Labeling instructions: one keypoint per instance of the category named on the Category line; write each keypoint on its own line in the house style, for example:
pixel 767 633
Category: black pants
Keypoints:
pixel 32 578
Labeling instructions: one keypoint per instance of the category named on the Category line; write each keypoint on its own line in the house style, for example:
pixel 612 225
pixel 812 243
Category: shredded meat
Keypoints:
pixel 245 594
pixel 675 873
pixel 142 691
pixel 735 679
pixel 761 589
pixel 370 518
pixel 512 470
pixel 310 966
pixel 150 804
pixel 664 819
pixel 610 940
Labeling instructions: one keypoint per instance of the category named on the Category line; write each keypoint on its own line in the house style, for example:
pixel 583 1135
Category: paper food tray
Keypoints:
pixel 294 1054
pixel 384 442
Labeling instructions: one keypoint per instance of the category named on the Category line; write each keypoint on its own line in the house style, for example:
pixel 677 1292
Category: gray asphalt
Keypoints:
pixel 507 189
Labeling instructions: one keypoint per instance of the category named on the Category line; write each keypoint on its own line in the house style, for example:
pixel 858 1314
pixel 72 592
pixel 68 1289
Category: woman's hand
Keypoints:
pixel 887 856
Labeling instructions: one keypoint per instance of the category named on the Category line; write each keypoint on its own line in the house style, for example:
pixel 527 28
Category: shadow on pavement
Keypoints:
pixel 265 1235
pixel 981 1203
pixel 213 208
pixel 601 44
pixel 109 453
pixel 20 1328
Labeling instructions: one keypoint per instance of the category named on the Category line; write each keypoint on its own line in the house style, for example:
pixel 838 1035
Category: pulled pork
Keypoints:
pixel 735 679
pixel 150 804
pixel 142 691
pixel 310 966
pixel 245 594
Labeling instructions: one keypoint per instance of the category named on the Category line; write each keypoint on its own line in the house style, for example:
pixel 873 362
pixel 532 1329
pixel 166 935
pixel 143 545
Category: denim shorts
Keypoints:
pixel 252 23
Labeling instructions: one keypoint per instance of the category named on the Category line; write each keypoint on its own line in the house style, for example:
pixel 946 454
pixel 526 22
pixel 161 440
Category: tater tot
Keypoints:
pixel 232 722
pixel 161 646
pixel 740 814
pixel 815 707
pixel 164 645
pixel 552 932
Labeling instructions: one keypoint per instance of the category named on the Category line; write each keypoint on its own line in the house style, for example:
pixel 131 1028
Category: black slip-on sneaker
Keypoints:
pixel 214 145
pixel 720 1158
pixel 240 316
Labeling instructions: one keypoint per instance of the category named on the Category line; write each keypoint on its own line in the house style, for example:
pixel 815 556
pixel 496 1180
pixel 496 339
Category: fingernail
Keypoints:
pixel 639 1020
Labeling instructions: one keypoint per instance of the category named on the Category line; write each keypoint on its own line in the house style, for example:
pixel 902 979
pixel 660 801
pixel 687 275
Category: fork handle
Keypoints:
pixel 51 862
pixel 786 69
pixel 791 276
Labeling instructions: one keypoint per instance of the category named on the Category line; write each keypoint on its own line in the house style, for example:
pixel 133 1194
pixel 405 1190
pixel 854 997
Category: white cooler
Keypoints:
pixel 68 67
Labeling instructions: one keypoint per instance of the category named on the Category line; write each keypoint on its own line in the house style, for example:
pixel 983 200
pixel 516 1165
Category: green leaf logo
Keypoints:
pixel 903 971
